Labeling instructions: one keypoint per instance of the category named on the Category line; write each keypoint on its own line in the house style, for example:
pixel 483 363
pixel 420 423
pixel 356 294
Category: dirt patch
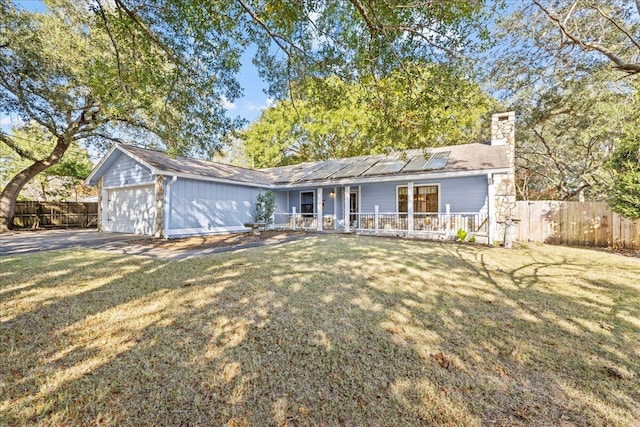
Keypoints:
pixel 217 240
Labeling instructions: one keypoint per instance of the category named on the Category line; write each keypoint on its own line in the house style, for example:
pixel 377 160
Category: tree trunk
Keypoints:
pixel 44 192
pixel 10 193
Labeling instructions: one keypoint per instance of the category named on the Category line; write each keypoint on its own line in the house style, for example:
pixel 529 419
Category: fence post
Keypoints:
pixel 376 209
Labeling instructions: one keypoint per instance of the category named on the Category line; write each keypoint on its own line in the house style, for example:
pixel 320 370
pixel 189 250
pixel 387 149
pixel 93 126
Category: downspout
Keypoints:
pixel 167 206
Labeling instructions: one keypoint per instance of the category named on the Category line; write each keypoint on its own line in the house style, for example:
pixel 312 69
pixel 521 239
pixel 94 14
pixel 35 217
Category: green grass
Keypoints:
pixel 331 330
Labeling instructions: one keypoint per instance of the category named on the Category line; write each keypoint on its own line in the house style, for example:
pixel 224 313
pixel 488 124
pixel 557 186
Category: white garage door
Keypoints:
pixel 131 210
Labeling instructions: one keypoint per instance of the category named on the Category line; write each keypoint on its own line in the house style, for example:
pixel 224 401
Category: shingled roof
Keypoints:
pixel 449 159
pixel 197 167
pixel 455 158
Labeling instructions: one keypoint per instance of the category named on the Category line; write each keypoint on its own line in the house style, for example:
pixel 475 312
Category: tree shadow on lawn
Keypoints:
pixel 330 330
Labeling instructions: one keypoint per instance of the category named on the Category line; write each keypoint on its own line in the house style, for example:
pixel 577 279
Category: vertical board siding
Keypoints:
pixel 126 171
pixel 210 206
pixel 468 194
pixel 382 194
pixel 281 202
pixel 294 200
pixel 575 223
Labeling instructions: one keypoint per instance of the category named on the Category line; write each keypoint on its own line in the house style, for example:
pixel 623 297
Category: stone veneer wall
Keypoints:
pixel 159 187
pixel 100 204
pixel 503 133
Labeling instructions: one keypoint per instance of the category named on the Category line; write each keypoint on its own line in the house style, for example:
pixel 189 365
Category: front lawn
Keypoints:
pixel 330 330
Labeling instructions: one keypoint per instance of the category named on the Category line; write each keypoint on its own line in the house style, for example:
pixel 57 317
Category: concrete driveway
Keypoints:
pixel 24 242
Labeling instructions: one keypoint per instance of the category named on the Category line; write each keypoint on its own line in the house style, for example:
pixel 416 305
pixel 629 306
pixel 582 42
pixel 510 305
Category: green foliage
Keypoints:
pixel 472 239
pixel 264 207
pixel 92 65
pixel 572 107
pixel 332 119
pixel 624 194
pixel 461 235
pixel 57 182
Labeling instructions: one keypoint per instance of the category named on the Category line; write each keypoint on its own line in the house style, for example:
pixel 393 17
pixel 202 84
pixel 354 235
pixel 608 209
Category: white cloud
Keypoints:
pixel 228 104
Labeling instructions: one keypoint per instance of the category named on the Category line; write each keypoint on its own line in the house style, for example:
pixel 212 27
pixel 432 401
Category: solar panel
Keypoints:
pixel 427 161
pixel 301 171
pixel 356 167
pixel 386 166
pixel 325 171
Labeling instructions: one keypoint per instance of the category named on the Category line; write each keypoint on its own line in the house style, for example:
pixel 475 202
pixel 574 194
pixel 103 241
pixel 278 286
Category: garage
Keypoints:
pixel 131 210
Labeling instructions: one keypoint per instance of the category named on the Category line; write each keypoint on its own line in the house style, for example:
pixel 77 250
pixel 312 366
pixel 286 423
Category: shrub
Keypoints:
pixel 264 208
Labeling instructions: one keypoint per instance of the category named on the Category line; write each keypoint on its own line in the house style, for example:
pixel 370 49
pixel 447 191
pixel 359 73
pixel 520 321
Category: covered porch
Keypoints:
pixel 372 209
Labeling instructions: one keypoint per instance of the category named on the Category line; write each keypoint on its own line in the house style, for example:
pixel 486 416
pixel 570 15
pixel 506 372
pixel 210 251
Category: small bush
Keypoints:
pixel 265 205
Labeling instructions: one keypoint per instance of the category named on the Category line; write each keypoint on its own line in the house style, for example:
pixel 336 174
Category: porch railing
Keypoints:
pixel 475 223
pixel 295 221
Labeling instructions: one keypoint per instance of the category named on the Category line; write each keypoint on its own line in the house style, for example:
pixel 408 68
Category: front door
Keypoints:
pixel 353 209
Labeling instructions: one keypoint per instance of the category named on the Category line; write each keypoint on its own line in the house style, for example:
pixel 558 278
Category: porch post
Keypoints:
pixel 376 212
pixel 335 208
pixel 447 211
pixel 410 207
pixel 293 217
pixel 320 215
pixel 491 210
pixel 347 193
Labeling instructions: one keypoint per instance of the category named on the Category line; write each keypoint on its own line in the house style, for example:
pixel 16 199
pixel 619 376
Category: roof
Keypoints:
pixel 450 159
pixel 455 158
pixel 167 165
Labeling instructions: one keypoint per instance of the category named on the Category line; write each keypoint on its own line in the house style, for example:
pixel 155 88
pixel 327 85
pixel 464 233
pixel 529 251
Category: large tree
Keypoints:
pixel 573 107
pixel 609 29
pixel 157 71
pixel 83 74
pixel 624 193
pixel 57 183
pixel 328 118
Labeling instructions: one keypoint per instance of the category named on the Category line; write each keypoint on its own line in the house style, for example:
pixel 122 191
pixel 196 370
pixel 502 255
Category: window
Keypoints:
pixel 306 203
pixel 425 199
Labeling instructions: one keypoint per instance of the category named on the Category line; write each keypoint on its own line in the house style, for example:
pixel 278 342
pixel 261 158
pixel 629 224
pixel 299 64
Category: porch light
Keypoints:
pixel 332 194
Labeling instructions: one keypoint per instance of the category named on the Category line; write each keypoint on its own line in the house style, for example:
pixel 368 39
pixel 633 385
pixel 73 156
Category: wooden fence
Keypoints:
pixel 575 223
pixel 44 214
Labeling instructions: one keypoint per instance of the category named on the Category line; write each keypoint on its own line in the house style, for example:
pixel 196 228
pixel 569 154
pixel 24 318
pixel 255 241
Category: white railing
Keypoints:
pixel 470 222
pixel 440 223
pixel 381 221
pixel 473 223
pixel 295 221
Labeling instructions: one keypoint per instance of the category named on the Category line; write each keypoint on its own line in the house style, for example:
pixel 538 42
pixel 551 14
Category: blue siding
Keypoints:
pixel 210 206
pixel 330 203
pixel 467 194
pixel 294 200
pixel 281 201
pixel 126 171
pixel 382 194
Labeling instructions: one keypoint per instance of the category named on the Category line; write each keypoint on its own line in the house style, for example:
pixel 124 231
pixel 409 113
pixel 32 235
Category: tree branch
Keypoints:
pixel 615 24
pixel 15 147
pixel 620 63
pixel 115 48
